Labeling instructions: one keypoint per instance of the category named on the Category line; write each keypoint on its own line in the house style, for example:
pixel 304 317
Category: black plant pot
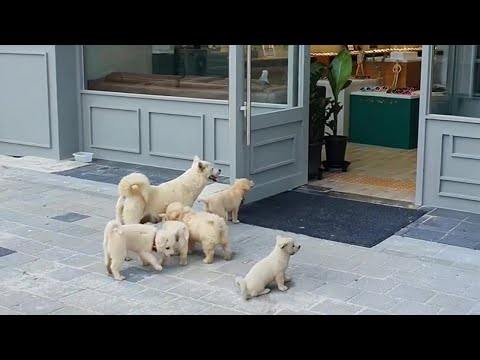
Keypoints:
pixel 314 160
pixel 335 148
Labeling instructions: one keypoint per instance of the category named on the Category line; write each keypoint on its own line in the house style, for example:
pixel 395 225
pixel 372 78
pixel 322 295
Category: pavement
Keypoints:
pixel 51 232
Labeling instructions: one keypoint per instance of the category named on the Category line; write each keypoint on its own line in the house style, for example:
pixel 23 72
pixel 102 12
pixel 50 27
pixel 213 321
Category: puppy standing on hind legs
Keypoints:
pixel 270 270
pixel 228 201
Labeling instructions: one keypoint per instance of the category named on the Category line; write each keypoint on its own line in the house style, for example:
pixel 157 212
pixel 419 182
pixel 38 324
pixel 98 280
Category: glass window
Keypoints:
pixel 195 71
pixel 456 80
pixel 270 73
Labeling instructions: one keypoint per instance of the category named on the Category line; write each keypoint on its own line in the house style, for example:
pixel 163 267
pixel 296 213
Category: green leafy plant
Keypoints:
pixel 339 73
pixel 320 107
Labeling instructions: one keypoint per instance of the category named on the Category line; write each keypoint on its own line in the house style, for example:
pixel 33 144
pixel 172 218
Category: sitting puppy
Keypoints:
pixel 208 229
pixel 229 200
pixel 176 245
pixel 138 238
pixel 269 270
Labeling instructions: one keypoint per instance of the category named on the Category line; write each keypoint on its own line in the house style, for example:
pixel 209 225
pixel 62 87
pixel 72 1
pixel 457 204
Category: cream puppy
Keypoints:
pixel 138 199
pixel 269 270
pixel 141 239
pixel 207 229
pixel 176 245
pixel 229 200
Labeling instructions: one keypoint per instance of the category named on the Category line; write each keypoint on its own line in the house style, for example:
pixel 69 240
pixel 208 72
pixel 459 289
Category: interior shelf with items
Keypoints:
pixel 368 52
pixel 379 62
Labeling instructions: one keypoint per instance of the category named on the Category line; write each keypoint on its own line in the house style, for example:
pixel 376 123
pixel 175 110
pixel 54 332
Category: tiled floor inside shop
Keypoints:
pixel 375 171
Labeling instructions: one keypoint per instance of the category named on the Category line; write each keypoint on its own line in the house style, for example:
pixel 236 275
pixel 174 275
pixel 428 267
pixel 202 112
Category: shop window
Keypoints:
pixel 456 80
pixel 192 71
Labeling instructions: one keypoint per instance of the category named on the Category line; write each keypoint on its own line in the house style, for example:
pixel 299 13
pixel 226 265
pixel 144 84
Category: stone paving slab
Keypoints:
pixel 57 265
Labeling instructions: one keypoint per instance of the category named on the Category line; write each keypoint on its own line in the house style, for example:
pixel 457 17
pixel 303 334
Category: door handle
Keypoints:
pixel 248 107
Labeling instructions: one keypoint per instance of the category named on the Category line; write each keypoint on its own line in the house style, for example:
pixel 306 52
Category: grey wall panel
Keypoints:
pixel 186 127
pixel 116 129
pixel 452 164
pixel 171 132
pixel 38 100
pixel 25 117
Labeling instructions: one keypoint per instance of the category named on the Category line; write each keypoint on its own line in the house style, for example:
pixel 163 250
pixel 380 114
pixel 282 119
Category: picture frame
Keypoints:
pixel 268 50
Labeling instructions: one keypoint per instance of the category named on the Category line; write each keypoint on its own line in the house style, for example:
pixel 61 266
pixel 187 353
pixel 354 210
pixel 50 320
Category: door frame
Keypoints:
pixel 239 161
pixel 424 106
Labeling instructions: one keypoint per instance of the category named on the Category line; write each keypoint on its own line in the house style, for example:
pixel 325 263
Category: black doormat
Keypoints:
pixel 111 172
pixel 331 218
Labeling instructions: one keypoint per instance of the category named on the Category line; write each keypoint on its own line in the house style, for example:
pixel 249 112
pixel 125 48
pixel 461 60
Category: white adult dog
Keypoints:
pixel 140 200
pixel 208 229
pixel 270 270
pixel 141 239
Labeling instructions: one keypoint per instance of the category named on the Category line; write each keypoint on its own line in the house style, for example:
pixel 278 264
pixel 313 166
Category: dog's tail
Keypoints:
pixel 242 285
pixel 111 227
pixel 134 184
pixel 119 209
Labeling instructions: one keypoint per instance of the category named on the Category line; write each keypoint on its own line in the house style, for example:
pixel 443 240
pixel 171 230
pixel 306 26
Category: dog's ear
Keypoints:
pixel 247 185
pixel 196 158
pixel 186 233
pixel 201 166
pixel 281 241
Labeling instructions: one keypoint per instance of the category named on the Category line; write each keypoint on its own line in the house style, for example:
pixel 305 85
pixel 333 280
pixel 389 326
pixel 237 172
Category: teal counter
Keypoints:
pixel 383 119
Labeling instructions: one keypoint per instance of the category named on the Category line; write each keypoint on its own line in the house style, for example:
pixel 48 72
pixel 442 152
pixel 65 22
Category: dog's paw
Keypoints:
pixel 236 221
pixel 158 267
pixel 283 288
pixel 207 261
pixel 183 262
pixel 228 256
pixel 119 278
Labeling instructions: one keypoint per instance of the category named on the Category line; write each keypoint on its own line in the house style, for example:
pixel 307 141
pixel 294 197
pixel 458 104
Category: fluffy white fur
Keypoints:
pixel 207 229
pixel 176 244
pixel 270 270
pixel 228 201
pixel 137 238
pixel 140 200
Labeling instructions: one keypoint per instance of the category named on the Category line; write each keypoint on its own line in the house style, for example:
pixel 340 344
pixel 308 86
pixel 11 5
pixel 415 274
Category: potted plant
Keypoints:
pixel 339 73
pixel 318 115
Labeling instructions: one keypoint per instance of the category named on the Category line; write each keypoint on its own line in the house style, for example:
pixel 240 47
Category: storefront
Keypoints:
pixel 449 128
pixel 161 105
pixel 245 109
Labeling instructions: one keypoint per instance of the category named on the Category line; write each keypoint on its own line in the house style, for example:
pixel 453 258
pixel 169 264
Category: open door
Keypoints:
pixel 268 110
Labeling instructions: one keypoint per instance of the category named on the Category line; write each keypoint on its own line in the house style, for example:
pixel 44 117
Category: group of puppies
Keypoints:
pixel 155 222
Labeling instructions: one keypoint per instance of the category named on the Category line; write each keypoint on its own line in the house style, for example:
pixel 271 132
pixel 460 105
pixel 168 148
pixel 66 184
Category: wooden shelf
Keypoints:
pixel 369 52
